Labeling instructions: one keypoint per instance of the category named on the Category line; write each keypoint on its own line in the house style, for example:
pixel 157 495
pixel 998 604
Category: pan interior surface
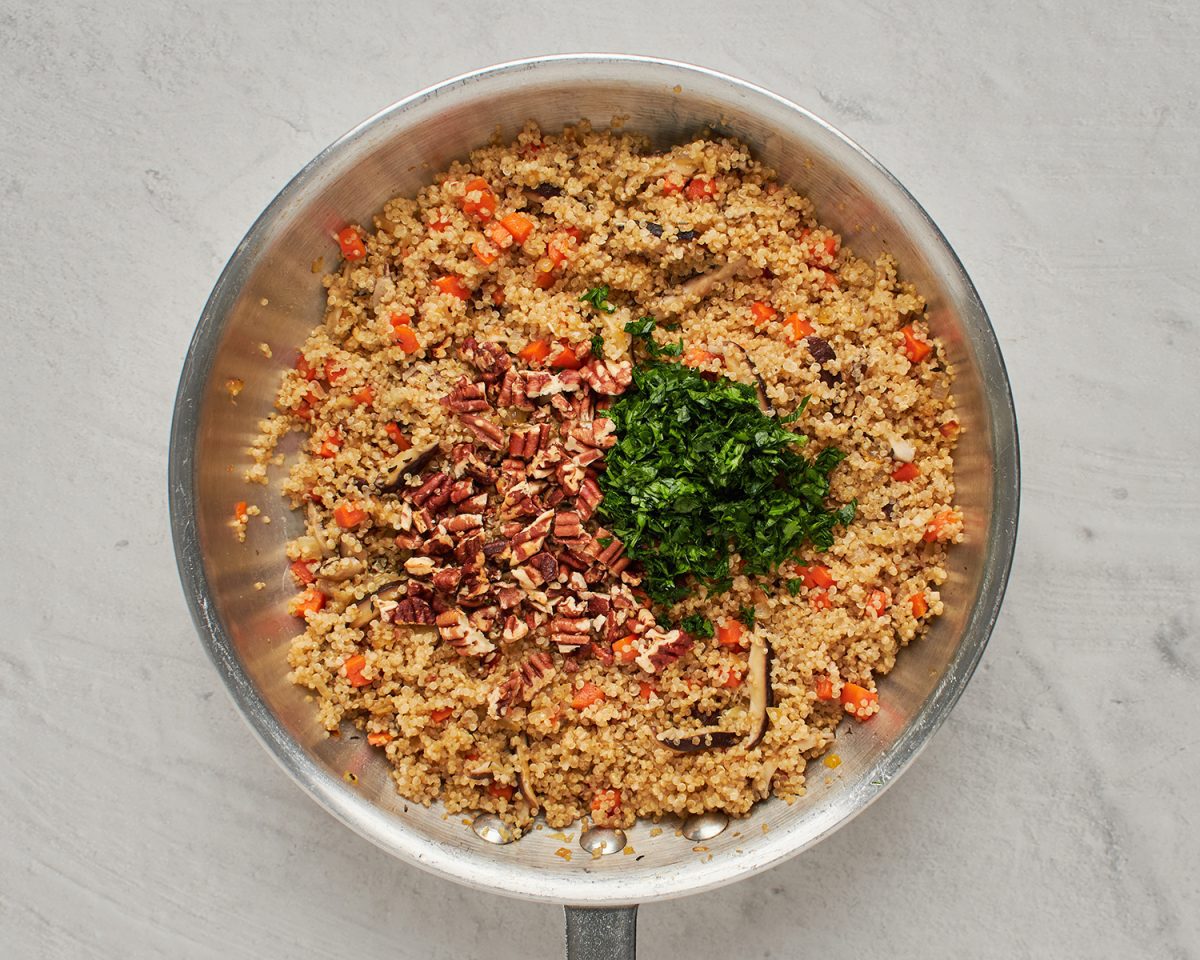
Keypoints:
pixel 270 294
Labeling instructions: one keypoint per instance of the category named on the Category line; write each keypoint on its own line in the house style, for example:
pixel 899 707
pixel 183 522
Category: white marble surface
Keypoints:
pixel 1058 145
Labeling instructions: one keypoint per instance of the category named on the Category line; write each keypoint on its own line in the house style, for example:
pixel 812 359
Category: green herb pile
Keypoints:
pixel 699 472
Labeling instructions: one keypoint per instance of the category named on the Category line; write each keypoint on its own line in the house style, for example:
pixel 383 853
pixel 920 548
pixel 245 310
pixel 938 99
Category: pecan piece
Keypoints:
pixel 524 444
pixel 430 489
pixel 519 686
pixel 567 525
pixel 589 497
pixel 529 540
pixel 490 359
pixel 514 629
pixel 454 628
pixel 447 579
pixel 466 397
pixel 600 434
pixel 607 377
pixel 659 649
pixel 488 433
pixel 512 392
pixel 412 610
pixel 419 566
pixel 463 523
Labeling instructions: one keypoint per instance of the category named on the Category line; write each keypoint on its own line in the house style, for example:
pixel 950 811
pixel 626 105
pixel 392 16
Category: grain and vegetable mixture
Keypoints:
pixel 624 481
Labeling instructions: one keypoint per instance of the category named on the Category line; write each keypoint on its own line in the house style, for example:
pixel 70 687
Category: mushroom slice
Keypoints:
pixel 524 781
pixel 760 385
pixel 413 460
pixel 368 606
pixel 708 739
pixel 759 683
pixel 697 288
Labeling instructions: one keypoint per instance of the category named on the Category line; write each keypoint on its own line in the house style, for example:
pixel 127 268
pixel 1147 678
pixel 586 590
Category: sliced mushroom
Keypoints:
pixel 410 461
pixel 699 742
pixel 340 569
pixel 368 606
pixel 758 681
pixel 760 385
pixel 697 288
pixel 524 780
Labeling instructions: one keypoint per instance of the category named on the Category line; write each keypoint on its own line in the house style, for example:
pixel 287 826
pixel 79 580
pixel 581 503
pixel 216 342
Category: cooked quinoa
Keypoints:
pixel 433 314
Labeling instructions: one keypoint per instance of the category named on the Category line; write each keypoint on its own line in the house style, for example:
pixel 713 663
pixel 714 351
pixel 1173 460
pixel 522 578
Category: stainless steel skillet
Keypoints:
pixel 268 293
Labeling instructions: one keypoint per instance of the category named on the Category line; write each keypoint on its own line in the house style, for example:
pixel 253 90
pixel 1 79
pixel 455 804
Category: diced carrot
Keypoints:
pixel 606 801
pixel 824 688
pixel 877 602
pixel 915 348
pixel 365 396
pixel 729 634
pixel 671 186
pixel 304 411
pixel 478 200
pixel 920 606
pixel 586 695
pixel 566 359
pixel 381 739
pixel 400 320
pixel 860 702
pixel 625 649
pixel 310 601
pixel 396 435
pixel 240 509
pixel 815 575
pixel 406 339
pixel 800 328
pixel 734 680
pixel 535 351
pixel 697 357
pixel 454 286
pixel 351 243
pixel 937 525
pixel 330 445
pixel 333 373
pixel 905 472
pixel 544 274
pixel 819 600
pixel 498 296
pixel 519 226
pixel 349 515
pixel 763 312
pixel 830 279
pixel 302 570
pixel 441 715
pixel 949 428
pixel 437 226
pixel 352 667
pixel 501 791
pixel 645 690
pixel 484 253
pixel 700 188
pixel 499 234
pixel 305 369
pixel 562 245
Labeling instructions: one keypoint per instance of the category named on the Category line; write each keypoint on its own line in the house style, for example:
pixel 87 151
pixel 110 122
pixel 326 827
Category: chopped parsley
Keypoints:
pixel 698 625
pixel 699 472
pixel 746 615
pixel 597 345
pixel 794 585
pixel 643 329
pixel 598 298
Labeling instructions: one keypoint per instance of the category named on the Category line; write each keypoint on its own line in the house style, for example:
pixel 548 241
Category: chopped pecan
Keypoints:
pixel 659 649
pixel 570 477
pixel 600 433
pixel 529 540
pixel 514 629
pixel 490 359
pixel 419 566
pixel 589 497
pixel 463 523
pixel 610 556
pixel 598 605
pixel 456 630
pixel 408 541
pixel 603 653
pixel 430 489
pixel 539 383
pixel 447 579
pixel 570 633
pixel 608 377
pixel 461 490
pixel 496 550
pixel 509 597
pixel 567 525
pixel 475 591
pixel 467 463
pixel 533 673
pixel 488 433
pixel 545 565
pixel 512 393
pixel 484 618
pixel 412 610
pixel 524 443
pixel 467 397
pixel 475 504
pixel 469 552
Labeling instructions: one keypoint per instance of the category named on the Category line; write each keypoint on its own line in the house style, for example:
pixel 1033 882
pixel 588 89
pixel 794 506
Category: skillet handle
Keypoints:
pixel 601 933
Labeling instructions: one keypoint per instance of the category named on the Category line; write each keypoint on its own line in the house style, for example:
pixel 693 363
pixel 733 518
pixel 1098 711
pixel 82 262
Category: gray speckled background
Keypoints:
pixel 1057 145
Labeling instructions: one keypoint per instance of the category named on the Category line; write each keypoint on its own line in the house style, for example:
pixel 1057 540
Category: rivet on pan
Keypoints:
pixel 704 826
pixel 491 828
pixel 602 840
